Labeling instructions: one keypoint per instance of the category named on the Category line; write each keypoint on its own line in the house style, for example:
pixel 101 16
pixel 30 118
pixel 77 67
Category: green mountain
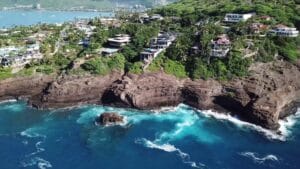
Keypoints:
pixel 284 11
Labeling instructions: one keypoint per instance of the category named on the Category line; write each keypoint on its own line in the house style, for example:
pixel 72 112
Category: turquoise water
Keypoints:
pixel 25 18
pixel 179 138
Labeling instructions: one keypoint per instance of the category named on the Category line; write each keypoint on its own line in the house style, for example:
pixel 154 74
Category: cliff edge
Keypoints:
pixel 269 93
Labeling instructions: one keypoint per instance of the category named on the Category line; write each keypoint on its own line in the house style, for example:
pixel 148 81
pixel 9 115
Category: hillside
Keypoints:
pixel 283 11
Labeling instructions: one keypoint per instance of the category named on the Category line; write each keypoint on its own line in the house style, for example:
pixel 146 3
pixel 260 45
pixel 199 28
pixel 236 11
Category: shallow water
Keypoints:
pixel 177 138
pixel 25 18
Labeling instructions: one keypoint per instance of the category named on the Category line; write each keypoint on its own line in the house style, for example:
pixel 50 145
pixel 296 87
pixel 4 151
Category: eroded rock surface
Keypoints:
pixel 269 93
pixel 109 119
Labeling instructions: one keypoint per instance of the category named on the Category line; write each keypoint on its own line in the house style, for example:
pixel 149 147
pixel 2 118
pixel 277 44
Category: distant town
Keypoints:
pixel 137 39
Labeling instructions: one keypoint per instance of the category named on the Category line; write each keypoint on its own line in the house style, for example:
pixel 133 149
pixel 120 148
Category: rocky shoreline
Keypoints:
pixel 269 93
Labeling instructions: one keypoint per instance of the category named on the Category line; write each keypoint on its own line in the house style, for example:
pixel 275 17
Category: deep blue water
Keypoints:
pixel 180 138
pixel 25 18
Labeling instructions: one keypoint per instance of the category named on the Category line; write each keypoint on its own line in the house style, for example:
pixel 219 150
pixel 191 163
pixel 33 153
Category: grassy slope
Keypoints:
pixel 286 12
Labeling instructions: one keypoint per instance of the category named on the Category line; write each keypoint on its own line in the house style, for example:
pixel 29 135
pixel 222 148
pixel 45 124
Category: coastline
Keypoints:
pixel 152 91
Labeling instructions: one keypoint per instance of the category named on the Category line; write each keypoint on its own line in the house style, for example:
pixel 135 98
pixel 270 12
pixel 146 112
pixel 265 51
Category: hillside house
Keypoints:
pixel 284 31
pixel 258 28
pixel 119 40
pixel 149 54
pixel 235 17
pixel 220 46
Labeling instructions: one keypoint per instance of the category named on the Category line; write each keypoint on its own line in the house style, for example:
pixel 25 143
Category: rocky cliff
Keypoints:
pixel 26 87
pixel 75 90
pixel 266 95
pixel 269 93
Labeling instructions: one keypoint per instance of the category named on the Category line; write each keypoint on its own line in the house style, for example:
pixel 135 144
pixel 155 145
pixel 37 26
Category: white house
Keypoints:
pixel 284 31
pixel 220 46
pixel 156 17
pixel 234 17
pixel 163 41
pixel 108 51
pixel 149 54
pixel 119 40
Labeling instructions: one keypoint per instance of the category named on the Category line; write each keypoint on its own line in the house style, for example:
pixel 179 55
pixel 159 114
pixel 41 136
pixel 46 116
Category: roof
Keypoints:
pixel 150 50
pixel 281 26
pixel 222 40
pixel 109 50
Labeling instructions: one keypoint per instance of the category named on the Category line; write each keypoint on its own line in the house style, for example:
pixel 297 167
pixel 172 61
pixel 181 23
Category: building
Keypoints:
pixel 156 17
pixel 110 22
pixel 83 25
pixel 157 45
pixel 220 46
pixel 149 54
pixel 284 31
pixel 234 17
pixel 144 17
pixel 5 62
pixel 108 51
pixel 258 28
pixel 119 40
pixel 162 41
pixel 18 57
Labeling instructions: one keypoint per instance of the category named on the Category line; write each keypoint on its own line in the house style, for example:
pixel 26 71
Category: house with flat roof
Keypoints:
pixel 109 51
pixel 18 57
pixel 149 54
pixel 163 40
pixel 220 46
pixel 236 17
pixel 119 40
pixel 284 31
pixel 156 17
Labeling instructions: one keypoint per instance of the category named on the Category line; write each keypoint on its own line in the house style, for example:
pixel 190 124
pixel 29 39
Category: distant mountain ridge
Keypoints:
pixel 94 4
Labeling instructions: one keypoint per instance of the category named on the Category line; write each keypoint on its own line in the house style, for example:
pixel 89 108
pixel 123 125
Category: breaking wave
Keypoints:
pixel 282 134
pixel 41 163
pixel 8 101
pixel 37 161
pixel 257 159
pixel 169 148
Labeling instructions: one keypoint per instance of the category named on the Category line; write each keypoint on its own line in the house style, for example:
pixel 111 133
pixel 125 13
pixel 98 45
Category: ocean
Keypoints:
pixel 22 17
pixel 177 138
pixel 174 138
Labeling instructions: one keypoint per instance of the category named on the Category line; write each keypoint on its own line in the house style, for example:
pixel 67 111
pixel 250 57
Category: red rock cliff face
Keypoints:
pixel 146 91
pixel 262 98
pixel 75 90
pixel 28 87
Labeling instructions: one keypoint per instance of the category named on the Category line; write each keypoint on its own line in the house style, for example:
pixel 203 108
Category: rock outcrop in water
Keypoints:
pixel 109 119
pixel 268 94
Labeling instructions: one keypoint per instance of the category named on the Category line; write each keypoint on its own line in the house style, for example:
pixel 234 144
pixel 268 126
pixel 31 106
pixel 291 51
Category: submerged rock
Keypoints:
pixel 109 119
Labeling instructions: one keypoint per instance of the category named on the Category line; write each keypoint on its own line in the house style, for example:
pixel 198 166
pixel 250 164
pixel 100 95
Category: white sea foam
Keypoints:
pixel 8 101
pixel 260 159
pixel 39 149
pixel 287 123
pixel 281 135
pixel 165 109
pixel 32 133
pixel 169 148
pixel 37 161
